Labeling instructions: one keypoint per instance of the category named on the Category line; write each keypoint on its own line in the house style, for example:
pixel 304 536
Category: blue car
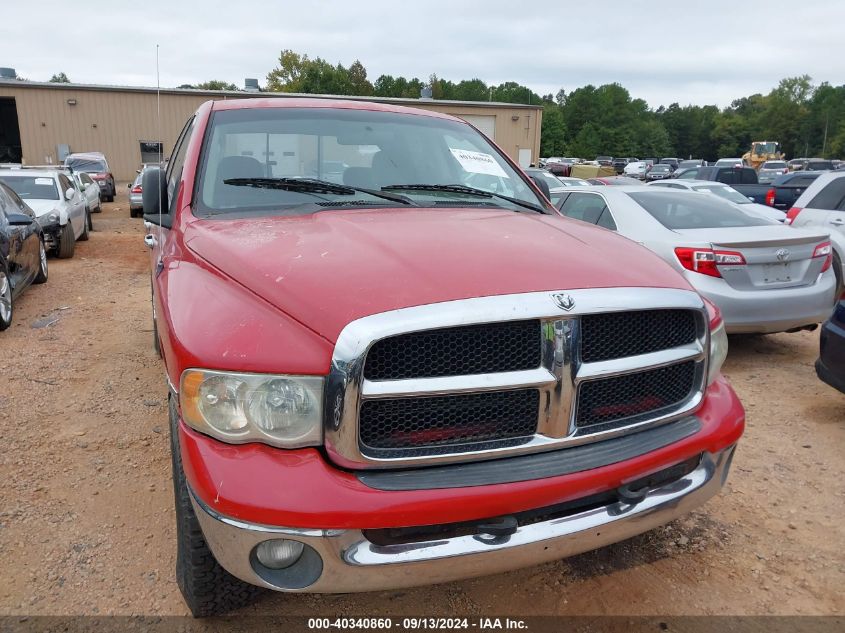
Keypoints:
pixel 831 363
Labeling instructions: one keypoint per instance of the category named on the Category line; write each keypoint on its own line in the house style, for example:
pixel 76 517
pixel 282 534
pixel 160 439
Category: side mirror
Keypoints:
pixel 750 198
pixel 129 185
pixel 69 193
pixel 19 219
pixel 154 196
pixel 543 186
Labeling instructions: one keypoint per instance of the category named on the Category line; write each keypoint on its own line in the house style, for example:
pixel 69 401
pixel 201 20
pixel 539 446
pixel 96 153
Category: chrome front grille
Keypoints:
pixel 494 376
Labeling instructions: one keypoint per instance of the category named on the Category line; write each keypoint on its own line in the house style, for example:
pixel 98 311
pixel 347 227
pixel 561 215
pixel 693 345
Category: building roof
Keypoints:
pixel 241 94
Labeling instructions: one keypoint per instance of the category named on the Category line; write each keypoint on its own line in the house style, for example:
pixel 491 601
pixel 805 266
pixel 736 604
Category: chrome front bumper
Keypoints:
pixel 348 562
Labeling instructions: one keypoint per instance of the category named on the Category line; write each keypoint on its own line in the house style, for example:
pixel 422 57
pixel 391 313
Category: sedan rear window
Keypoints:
pixel 87 165
pixel 688 210
pixel 33 187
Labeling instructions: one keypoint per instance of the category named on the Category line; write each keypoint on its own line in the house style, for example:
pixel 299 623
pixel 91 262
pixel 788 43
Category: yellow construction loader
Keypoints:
pixel 761 151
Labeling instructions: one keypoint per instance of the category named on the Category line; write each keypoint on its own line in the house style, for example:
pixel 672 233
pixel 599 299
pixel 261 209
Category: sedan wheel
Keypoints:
pixel 5 299
pixel 42 264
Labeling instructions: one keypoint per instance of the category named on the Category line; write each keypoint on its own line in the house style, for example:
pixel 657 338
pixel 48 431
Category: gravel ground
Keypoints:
pixel 86 509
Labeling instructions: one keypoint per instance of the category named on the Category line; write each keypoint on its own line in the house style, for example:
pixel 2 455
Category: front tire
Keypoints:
pixel 208 589
pixel 86 227
pixel 41 277
pixel 6 303
pixel 837 271
pixel 67 243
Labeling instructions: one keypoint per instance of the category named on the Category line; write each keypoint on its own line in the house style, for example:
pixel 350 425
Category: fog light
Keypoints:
pixel 279 553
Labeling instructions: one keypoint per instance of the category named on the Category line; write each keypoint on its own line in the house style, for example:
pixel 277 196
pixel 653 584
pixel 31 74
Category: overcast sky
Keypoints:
pixel 689 52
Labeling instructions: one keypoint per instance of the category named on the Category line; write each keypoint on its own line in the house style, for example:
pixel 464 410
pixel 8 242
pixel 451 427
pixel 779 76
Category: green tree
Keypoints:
pixel 553 131
pixel 216 84
pixel 286 76
pixel 358 78
pixel 59 78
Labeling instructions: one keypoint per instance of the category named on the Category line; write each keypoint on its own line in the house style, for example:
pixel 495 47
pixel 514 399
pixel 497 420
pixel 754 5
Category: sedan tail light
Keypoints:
pixel 791 215
pixel 136 189
pixel 706 260
pixel 770 197
pixel 824 250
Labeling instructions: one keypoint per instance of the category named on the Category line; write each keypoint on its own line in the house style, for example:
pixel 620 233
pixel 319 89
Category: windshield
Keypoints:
pixel 414 157
pixel 660 168
pixel 679 210
pixel 773 165
pixel 33 187
pixel 765 148
pixel 728 193
pixel 88 165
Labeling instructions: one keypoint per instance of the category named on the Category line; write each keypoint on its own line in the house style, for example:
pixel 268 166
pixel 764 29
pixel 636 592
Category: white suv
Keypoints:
pixel 822 205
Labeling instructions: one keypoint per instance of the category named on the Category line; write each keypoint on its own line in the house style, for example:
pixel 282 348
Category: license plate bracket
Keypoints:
pixel 780 272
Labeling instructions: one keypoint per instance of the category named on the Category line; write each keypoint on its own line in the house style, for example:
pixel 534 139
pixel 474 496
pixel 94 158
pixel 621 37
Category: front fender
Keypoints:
pixel 206 319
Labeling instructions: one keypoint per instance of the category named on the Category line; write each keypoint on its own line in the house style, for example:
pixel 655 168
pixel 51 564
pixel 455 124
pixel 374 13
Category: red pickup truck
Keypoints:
pixel 391 363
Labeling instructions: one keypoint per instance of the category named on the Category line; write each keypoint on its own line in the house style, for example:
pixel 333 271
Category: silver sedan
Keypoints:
pixel 764 276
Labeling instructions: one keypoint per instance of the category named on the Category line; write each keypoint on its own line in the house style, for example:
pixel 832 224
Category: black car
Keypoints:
pixel 786 189
pixel 830 366
pixel 619 164
pixel 23 258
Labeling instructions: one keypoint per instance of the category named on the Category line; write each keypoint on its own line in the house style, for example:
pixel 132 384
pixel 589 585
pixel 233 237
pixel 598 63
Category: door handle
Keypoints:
pixel 150 241
pixel 837 222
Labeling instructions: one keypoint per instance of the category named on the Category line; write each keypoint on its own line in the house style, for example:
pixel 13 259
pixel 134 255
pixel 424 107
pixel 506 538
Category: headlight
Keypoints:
pixel 718 351
pixel 48 218
pixel 284 411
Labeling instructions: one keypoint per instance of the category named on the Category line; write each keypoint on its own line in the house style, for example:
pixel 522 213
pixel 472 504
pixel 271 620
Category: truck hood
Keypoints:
pixel 330 268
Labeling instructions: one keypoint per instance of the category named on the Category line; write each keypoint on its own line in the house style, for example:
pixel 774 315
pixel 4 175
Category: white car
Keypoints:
pixel 729 162
pixel 727 193
pixel 90 190
pixel 59 206
pixel 822 206
pixel 637 169
pixel 766 277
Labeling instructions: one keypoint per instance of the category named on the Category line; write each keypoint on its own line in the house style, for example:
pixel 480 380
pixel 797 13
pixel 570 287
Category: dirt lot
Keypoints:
pixel 86 505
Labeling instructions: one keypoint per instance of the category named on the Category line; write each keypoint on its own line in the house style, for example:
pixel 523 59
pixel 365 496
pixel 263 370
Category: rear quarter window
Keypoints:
pixel 832 196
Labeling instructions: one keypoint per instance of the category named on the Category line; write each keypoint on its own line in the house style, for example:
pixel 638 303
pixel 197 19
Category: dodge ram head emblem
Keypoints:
pixel 782 254
pixel 564 301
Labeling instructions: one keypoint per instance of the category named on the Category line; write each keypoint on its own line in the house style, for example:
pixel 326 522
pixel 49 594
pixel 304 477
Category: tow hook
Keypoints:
pixel 501 526
pixel 631 497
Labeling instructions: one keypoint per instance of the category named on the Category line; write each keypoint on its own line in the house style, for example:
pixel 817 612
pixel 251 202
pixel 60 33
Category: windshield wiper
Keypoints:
pixel 463 189
pixel 312 185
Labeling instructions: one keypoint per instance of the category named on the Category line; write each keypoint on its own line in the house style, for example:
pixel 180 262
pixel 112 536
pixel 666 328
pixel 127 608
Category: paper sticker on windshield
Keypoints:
pixel 478 162
pixel 43 181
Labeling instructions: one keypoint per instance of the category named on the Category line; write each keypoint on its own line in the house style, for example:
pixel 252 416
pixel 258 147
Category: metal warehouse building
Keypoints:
pixel 41 122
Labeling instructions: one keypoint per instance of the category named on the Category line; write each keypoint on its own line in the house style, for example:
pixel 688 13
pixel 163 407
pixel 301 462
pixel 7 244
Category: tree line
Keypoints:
pixel 806 119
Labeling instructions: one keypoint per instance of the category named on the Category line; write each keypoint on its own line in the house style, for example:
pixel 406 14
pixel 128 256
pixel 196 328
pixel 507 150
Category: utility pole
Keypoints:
pixel 824 143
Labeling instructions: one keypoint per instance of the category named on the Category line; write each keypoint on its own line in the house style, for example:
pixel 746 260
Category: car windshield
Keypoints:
pixel 33 187
pixel 88 165
pixel 660 168
pixel 684 210
pixel 774 165
pixel 271 161
pixel 728 193
pixel 819 164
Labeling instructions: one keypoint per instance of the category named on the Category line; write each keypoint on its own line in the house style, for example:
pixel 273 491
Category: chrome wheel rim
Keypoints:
pixel 5 298
pixel 43 256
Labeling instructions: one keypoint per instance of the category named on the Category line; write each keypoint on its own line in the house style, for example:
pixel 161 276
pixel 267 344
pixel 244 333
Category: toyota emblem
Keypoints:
pixel 782 254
